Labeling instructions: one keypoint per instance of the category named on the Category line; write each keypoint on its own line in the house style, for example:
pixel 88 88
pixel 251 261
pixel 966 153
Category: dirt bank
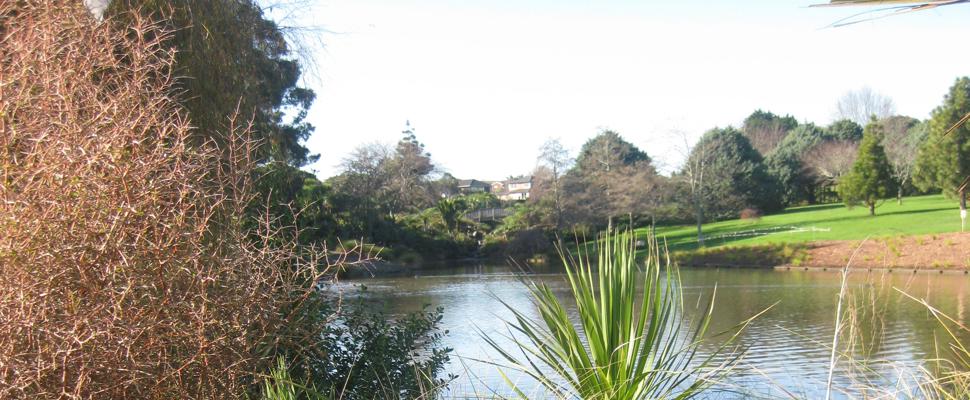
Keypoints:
pixel 939 251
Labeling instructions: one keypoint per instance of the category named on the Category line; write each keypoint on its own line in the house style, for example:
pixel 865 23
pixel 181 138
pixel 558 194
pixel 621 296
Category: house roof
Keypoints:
pixel 472 183
pixel 521 179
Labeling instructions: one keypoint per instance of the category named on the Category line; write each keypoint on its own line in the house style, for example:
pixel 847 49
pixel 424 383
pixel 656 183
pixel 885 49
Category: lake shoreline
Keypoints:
pixel 383 268
pixel 938 253
pixel 935 252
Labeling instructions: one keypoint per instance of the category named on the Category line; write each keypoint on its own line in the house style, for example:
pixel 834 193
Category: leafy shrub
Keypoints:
pixel 410 258
pixel 766 255
pixel 528 243
pixel 371 356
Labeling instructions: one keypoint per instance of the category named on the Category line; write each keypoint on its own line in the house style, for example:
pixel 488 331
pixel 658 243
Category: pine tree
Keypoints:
pixel 871 178
pixel 944 159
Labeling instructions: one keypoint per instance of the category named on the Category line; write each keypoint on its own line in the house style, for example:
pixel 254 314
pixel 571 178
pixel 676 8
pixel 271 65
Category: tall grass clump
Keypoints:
pixel 280 385
pixel 948 375
pixel 633 339
pixel 126 268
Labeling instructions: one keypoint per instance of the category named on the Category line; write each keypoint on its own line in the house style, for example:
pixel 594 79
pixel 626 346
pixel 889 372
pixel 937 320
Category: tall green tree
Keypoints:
pixel 871 178
pixel 844 129
pixel 451 211
pixel 795 184
pixel 605 151
pixel 944 159
pixel 735 176
pixel 232 62
pixel 903 136
pixel 765 130
pixel 607 174
pixel 409 170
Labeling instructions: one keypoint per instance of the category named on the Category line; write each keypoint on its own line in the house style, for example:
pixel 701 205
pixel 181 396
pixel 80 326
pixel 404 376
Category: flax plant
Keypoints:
pixel 633 339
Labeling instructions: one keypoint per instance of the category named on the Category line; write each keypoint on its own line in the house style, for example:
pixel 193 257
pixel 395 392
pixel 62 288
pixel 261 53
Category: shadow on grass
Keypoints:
pixel 688 240
pixel 811 208
pixel 874 217
pixel 723 235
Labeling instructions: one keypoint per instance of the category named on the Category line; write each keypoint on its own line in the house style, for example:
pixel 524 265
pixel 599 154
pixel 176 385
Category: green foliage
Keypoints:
pixel 762 255
pixel 785 164
pixel 871 178
pixel 524 216
pixel 233 59
pixel 903 138
pixel 385 193
pixel 293 197
pixel 633 340
pixel 765 130
pixel 760 119
pixel 427 234
pixel 607 150
pixel 368 355
pixel 611 178
pixel 446 185
pixel 407 172
pixel 451 211
pixel 735 177
pixel 844 129
pixel 279 385
pixel 944 161
pixel 478 201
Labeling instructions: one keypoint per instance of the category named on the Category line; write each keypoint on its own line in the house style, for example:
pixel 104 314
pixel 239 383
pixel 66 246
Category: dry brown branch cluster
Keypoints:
pixel 828 161
pixel 125 271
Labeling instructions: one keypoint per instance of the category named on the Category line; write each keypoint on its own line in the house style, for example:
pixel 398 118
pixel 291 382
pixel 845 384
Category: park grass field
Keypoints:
pixel 917 215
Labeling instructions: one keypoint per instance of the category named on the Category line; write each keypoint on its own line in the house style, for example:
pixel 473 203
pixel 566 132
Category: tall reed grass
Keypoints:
pixel 948 375
pixel 859 331
pixel 633 339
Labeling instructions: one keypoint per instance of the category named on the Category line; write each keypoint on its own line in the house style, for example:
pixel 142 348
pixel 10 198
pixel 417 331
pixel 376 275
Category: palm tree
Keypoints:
pixel 451 211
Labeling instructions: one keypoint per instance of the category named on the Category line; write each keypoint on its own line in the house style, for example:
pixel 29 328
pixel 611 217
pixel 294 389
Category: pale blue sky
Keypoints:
pixel 484 83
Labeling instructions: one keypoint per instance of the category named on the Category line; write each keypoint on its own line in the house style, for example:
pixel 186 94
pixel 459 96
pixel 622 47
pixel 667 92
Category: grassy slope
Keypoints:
pixel 917 215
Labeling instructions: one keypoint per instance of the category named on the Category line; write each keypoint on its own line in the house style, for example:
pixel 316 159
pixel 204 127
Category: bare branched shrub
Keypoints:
pixel 750 214
pixel 828 161
pixel 125 271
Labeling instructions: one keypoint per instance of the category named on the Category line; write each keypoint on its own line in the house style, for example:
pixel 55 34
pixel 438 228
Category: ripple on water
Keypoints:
pixel 788 347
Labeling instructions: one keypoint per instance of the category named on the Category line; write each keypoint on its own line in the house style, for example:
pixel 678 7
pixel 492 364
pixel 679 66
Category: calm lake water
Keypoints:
pixel 787 346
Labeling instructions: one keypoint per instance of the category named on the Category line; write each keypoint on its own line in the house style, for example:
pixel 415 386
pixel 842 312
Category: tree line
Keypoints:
pixel 395 195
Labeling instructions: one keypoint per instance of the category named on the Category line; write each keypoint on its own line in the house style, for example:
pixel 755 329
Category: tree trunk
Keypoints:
pixel 699 212
pixel 963 210
pixel 872 209
pixel 899 195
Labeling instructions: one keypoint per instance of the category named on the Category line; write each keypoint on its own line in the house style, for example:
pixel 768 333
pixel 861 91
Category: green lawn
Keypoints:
pixel 917 215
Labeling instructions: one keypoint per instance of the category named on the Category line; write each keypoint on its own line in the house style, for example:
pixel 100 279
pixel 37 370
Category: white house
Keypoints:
pixel 517 188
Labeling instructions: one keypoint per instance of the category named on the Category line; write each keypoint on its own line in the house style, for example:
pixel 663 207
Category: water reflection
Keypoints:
pixel 787 347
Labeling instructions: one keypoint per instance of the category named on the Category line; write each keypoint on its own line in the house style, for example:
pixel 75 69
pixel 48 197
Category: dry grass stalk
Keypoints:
pixel 125 271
